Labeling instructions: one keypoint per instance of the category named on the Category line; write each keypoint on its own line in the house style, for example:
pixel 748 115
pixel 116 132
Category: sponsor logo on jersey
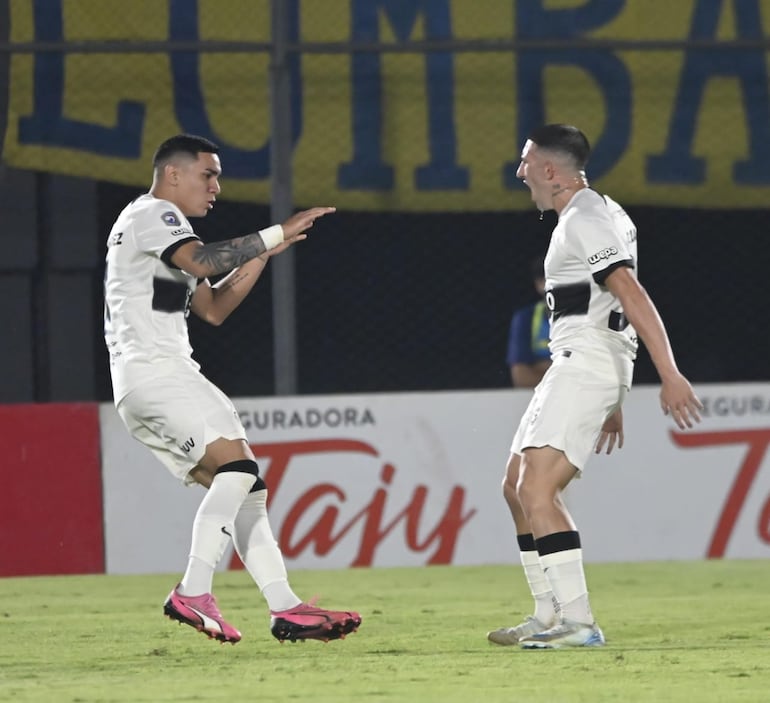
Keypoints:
pixel 603 254
pixel 183 230
pixel 170 219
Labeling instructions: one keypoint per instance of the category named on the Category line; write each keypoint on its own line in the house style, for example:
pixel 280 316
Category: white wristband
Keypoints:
pixel 272 236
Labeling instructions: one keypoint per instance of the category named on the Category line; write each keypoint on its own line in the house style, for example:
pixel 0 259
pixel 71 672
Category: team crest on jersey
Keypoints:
pixel 170 219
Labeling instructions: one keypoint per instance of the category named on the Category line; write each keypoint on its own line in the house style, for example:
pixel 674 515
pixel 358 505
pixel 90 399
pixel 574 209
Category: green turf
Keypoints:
pixel 686 631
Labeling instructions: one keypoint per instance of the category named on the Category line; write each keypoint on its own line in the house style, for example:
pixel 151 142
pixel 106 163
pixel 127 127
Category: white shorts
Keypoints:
pixel 177 415
pixel 577 394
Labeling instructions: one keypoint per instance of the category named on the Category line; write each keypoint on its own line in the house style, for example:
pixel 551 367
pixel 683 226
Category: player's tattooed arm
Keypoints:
pixel 215 303
pixel 219 257
pixel 234 279
pixel 204 260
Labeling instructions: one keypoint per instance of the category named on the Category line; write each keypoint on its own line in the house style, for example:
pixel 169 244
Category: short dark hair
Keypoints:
pixel 563 138
pixel 183 144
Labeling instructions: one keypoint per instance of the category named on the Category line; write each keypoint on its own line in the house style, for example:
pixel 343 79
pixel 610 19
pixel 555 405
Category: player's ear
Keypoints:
pixel 171 173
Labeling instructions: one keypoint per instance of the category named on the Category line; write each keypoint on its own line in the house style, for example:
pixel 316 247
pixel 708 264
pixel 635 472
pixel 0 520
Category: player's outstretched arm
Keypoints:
pixel 215 303
pixel 204 260
pixel 677 397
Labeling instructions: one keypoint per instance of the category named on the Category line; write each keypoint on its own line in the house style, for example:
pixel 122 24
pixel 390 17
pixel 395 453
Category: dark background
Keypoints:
pixel 395 302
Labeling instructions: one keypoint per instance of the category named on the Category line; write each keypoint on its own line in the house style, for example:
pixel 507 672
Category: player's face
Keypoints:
pixel 532 170
pixel 198 184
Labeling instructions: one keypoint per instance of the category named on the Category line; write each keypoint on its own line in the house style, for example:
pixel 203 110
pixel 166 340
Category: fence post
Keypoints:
pixel 283 288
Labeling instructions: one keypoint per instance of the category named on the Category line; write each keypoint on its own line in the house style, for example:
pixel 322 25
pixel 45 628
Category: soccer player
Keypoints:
pixel 157 272
pixel 597 308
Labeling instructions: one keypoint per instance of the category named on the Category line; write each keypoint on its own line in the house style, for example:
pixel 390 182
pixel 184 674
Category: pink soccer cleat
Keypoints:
pixel 306 621
pixel 202 613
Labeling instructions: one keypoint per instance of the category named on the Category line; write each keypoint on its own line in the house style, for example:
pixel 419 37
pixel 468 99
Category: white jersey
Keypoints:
pixel 147 299
pixel 593 237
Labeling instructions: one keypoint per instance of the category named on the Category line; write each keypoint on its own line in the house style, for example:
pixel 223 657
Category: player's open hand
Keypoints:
pixel 611 433
pixel 285 244
pixel 302 221
pixel 678 399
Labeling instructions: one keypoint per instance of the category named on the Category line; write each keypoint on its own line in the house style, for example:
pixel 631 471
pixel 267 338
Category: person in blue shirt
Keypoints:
pixel 528 355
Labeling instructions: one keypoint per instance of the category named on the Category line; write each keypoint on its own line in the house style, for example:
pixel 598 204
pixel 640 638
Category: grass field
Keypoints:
pixel 690 631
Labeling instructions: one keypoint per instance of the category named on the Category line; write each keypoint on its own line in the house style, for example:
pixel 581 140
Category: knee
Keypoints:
pixel 510 480
pixel 249 468
pixel 531 496
pixel 509 490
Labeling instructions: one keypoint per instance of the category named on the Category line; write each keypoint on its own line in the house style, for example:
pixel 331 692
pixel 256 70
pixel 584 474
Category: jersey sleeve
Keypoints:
pixel 602 247
pixel 161 229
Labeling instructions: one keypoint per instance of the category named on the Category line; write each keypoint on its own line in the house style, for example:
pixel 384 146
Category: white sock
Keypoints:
pixel 540 588
pixel 564 571
pixel 259 552
pixel 212 528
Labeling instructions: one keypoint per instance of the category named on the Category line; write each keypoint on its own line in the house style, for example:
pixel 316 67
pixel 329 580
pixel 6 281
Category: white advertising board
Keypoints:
pixel 411 479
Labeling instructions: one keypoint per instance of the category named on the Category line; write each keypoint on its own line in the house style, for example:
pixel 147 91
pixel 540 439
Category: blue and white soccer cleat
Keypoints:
pixel 565 634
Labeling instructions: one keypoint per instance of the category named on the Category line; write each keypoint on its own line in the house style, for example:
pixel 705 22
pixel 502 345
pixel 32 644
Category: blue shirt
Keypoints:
pixel 528 335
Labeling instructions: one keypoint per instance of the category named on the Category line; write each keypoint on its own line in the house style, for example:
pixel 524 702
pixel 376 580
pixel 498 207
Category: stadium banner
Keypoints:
pixel 51 521
pixel 414 479
pixel 440 131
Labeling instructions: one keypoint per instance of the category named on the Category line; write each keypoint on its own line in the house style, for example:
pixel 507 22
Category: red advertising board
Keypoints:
pixel 51 521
